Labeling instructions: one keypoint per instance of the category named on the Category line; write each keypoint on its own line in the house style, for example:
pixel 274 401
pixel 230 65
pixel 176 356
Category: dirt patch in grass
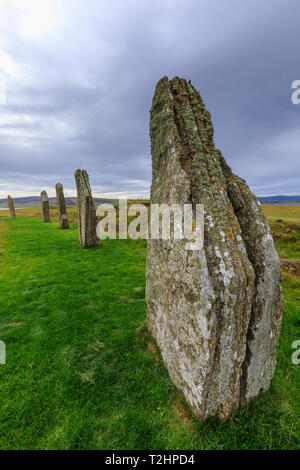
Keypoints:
pixel 181 411
pixel 153 348
pixel 144 336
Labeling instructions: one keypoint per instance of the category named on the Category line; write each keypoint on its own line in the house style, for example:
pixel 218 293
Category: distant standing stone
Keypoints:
pixel 11 207
pixel 61 206
pixel 45 207
pixel 87 220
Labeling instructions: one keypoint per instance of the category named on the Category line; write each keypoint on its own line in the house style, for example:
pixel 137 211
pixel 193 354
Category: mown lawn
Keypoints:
pixel 81 371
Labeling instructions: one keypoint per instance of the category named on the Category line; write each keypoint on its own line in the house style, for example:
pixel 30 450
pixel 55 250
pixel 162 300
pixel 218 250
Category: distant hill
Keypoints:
pixel 34 201
pixel 279 198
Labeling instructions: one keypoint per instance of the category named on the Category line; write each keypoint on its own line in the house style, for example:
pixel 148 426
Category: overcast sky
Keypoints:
pixel 77 79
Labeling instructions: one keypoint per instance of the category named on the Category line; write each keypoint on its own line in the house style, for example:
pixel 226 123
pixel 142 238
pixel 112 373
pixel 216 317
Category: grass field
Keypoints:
pixel 82 372
pixel 286 213
pixel 36 212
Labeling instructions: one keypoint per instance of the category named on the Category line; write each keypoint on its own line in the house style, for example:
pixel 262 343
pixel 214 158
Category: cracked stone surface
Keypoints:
pixel 87 220
pixel 45 207
pixel 61 206
pixel 11 207
pixel 215 313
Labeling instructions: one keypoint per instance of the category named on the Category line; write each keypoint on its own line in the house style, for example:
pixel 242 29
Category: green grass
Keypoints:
pixel 81 371
pixel 287 213
pixel 287 239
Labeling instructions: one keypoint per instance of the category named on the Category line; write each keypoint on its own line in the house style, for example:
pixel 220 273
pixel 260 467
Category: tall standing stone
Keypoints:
pixel 215 313
pixel 45 207
pixel 87 220
pixel 61 206
pixel 11 207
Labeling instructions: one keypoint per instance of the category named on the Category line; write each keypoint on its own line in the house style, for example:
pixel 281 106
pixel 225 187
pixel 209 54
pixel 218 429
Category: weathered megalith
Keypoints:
pixel 45 207
pixel 61 206
pixel 87 220
pixel 11 207
pixel 265 320
pixel 215 313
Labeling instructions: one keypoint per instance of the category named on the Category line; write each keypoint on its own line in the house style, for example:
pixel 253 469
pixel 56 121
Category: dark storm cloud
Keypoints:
pixel 79 84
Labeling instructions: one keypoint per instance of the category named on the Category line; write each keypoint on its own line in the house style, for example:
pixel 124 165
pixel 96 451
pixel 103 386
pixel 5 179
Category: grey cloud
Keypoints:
pixel 80 96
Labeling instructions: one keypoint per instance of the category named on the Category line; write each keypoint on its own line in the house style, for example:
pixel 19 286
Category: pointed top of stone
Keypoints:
pixel 82 178
pixel 44 196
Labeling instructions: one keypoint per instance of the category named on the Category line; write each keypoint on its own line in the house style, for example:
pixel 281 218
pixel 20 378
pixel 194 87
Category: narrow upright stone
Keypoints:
pixel 45 207
pixel 215 313
pixel 61 206
pixel 265 321
pixel 11 207
pixel 87 220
